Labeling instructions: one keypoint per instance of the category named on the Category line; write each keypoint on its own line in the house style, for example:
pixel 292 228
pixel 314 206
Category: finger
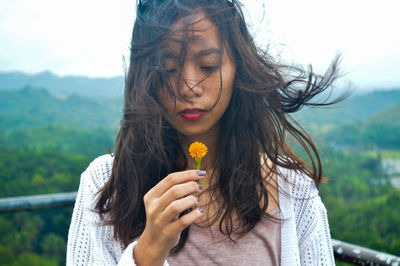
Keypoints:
pixel 186 220
pixel 173 210
pixel 174 179
pixel 177 192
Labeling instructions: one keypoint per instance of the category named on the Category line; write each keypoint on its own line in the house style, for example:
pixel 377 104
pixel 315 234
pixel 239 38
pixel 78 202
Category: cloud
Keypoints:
pixel 90 37
pixel 87 37
pixel 314 31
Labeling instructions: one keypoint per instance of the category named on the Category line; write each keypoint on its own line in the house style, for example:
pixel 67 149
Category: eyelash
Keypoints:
pixel 170 71
pixel 207 69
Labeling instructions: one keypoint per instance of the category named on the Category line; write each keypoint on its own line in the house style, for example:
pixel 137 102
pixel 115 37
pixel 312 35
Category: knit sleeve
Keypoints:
pixel 89 241
pixel 316 248
pixel 312 226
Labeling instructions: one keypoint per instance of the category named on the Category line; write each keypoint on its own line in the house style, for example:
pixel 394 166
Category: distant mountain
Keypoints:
pixel 352 110
pixel 79 85
pixel 390 116
pixel 29 108
pixel 380 130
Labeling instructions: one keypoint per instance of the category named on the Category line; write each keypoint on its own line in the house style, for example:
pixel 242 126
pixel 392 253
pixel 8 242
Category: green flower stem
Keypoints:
pixel 198 162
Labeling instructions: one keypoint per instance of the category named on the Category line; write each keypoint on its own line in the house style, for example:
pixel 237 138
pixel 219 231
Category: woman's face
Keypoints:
pixel 207 73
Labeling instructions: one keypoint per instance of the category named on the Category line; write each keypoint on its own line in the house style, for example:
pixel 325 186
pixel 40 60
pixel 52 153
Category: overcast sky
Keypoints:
pixel 90 37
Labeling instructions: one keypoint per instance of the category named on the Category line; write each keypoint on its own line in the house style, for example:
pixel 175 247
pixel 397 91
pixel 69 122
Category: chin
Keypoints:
pixel 193 131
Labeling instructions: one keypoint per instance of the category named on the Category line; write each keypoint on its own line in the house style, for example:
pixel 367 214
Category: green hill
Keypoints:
pixel 352 110
pixel 48 139
pixel 67 85
pixel 28 108
pixel 390 116
pixel 381 130
pixel 65 139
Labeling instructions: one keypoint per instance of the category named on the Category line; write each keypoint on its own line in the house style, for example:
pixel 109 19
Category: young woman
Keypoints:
pixel 195 74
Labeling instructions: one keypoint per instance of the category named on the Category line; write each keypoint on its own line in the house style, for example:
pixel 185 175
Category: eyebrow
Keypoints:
pixel 201 53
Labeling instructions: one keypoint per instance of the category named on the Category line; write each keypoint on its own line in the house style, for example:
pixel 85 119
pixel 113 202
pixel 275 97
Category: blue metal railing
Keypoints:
pixel 343 251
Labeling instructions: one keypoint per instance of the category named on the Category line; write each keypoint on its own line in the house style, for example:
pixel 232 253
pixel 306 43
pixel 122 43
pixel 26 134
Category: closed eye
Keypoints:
pixel 209 69
pixel 171 71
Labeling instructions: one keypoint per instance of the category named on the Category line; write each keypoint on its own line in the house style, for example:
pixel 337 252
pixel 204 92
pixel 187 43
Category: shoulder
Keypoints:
pixel 296 184
pixel 90 241
pixel 300 193
pixel 99 171
pixel 293 185
pixel 299 197
pixel 305 218
pixel 306 205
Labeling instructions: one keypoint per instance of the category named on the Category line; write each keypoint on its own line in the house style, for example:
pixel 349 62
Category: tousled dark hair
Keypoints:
pixel 147 146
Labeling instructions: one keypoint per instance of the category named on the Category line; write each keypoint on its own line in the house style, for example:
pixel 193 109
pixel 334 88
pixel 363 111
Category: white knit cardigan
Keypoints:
pixel 305 236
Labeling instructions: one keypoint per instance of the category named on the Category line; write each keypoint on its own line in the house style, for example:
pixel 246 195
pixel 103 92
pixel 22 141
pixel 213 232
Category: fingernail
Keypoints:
pixel 201 210
pixel 201 173
pixel 200 187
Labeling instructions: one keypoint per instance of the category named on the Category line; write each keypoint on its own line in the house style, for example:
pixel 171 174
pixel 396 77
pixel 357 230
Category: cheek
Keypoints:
pixel 227 83
pixel 226 97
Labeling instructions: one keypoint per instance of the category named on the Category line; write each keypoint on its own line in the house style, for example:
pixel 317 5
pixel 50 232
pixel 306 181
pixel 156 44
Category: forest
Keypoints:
pixel 47 139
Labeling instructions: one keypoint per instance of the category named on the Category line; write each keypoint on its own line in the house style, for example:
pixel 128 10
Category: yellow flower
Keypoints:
pixel 198 150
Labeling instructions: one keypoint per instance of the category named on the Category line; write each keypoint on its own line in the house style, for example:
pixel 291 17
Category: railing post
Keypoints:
pixel 37 202
pixel 362 256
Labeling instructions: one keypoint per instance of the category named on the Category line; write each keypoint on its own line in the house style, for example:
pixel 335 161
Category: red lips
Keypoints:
pixel 192 114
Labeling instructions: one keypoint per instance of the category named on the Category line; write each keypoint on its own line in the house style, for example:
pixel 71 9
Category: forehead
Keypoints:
pixel 196 32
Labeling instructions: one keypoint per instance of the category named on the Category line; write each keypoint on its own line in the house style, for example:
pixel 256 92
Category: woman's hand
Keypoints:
pixel 163 203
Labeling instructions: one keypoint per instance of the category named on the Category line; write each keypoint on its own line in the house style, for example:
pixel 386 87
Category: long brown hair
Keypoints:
pixel 257 121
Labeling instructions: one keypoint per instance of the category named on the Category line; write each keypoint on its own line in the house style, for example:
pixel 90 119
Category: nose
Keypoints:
pixel 190 85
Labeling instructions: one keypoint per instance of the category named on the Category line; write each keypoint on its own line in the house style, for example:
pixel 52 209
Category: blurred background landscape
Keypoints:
pixel 52 127
pixel 61 87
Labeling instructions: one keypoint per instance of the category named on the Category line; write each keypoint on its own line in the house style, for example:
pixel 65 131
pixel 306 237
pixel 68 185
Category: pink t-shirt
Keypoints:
pixel 208 246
